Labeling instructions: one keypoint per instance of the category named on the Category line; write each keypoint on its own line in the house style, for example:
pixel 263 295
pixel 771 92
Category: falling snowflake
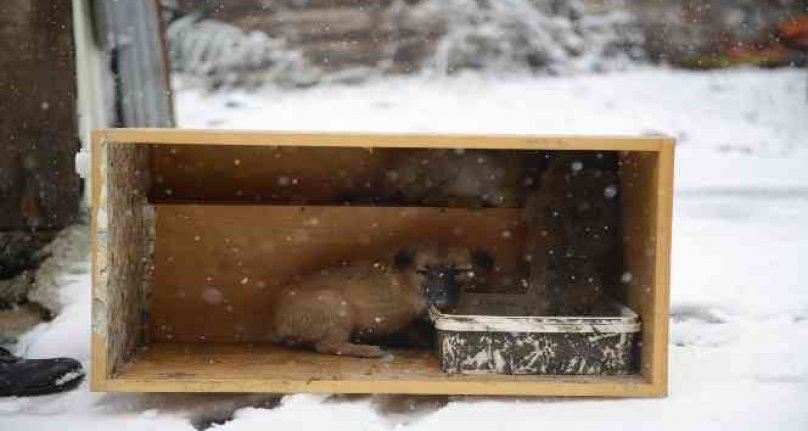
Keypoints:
pixel 626 277
pixel 212 295
pixel 610 191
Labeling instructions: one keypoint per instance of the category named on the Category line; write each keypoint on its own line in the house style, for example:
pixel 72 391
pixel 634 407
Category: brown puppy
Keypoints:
pixel 368 301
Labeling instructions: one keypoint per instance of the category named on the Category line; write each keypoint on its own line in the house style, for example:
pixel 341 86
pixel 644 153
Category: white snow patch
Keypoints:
pixel 68 377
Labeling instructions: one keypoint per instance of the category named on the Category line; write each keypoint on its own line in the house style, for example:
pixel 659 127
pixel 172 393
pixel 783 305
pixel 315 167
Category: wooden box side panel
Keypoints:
pixel 123 234
pixel 647 193
pixel 664 231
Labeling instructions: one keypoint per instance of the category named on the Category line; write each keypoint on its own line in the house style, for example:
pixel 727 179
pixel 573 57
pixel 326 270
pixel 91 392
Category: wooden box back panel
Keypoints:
pixel 217 266
pixel 308 175
pixel 315 175
pixel 194 232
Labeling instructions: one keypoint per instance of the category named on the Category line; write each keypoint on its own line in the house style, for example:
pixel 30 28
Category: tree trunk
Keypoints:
pixel 39 189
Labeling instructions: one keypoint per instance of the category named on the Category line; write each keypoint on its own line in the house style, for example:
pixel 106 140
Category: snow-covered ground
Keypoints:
pixel 739 334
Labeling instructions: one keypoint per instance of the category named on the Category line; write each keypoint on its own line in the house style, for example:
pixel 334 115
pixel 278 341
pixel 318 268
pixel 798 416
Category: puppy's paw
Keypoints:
pixel 366 351
pixel 350 349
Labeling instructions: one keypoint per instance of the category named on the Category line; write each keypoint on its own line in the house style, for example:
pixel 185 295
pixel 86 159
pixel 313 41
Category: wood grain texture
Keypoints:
pixel 129 249
pixel 122 245
pixel 198 367
pixel 217 266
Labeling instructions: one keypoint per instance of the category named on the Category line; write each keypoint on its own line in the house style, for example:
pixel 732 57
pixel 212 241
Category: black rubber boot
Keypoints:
pixel 24 377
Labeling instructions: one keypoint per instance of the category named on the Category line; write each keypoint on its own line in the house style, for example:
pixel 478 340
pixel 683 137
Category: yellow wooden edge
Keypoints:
pixel 98 345
pixel 358 139
pixel 665 173
pixel 620 388
pixel 98 363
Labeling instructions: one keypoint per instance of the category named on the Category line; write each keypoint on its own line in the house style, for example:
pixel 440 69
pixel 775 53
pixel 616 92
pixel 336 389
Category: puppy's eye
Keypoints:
pixel 422 271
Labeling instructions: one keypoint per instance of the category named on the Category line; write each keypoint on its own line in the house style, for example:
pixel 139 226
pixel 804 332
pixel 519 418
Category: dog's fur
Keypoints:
pixel 367 301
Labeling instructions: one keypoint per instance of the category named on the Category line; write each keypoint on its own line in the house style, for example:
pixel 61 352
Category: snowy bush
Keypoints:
pixel 226 55
pixel 553 36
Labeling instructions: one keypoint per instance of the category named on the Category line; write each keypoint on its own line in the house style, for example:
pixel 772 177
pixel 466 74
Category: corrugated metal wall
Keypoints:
pixel 132 36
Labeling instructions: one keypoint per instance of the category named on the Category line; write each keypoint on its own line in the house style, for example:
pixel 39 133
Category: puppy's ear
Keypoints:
pixel 482 259
pixel 404 258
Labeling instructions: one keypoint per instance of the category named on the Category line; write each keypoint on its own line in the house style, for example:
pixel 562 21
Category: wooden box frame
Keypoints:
pixel 123 237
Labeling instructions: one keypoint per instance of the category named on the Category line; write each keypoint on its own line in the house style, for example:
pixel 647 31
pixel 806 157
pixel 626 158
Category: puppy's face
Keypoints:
pixel 441 271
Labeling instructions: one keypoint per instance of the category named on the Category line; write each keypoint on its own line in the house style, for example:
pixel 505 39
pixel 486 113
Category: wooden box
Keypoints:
pixel 192 230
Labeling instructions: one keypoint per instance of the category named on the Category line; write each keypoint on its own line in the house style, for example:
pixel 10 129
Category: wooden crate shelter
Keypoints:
pixel 193 229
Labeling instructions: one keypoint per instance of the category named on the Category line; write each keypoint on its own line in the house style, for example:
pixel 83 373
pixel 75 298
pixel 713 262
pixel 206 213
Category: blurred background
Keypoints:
pixel 301 42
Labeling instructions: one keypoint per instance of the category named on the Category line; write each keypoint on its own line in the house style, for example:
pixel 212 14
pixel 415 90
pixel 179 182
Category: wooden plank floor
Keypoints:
pixel 197 367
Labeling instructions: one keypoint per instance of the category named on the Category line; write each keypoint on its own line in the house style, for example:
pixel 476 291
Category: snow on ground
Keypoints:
pixel 739 334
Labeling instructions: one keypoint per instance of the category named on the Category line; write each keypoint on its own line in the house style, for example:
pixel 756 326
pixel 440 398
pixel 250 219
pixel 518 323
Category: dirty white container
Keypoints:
pixel 565 345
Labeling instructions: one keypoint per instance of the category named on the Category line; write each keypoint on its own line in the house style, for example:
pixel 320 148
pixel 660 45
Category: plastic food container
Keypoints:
pixel 562 345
